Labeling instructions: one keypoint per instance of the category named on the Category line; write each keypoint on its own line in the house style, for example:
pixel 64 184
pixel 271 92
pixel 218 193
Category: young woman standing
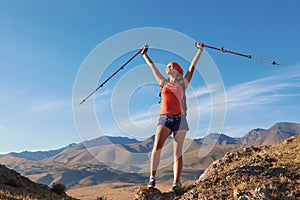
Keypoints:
pixel 172 113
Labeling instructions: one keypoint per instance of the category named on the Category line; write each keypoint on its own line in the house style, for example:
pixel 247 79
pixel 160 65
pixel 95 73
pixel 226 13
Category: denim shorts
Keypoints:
pixel 173 123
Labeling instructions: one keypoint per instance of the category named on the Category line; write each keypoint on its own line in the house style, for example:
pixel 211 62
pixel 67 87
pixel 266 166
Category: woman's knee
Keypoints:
pixel 156 149
pixel 178 156
pixel 158 146
pixel 178 159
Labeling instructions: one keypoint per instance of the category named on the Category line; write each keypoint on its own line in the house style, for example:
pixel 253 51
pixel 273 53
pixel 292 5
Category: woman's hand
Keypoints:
pixel 199 45
pixel 144 49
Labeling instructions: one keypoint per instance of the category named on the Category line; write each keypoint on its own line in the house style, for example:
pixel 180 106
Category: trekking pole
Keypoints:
pixel 101 85
pixel 239 54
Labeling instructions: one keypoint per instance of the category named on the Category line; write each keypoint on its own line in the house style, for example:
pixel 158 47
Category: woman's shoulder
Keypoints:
pixel 163 81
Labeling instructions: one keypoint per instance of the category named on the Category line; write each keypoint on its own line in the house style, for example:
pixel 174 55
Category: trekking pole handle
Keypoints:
pixel 199 45
pixel 144 49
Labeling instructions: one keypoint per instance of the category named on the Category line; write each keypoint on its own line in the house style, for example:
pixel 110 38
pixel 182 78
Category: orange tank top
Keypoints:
pixel 171 99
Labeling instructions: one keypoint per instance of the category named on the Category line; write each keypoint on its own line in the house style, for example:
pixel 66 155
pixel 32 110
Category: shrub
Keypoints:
pixel 12 182
pixel 101 198
pixel 58 188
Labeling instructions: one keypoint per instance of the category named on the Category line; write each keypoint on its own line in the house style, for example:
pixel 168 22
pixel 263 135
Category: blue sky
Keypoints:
pixel 43 45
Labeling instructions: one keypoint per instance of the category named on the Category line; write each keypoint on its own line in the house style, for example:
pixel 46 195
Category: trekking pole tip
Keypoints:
pixel 275 63
pixel 82 102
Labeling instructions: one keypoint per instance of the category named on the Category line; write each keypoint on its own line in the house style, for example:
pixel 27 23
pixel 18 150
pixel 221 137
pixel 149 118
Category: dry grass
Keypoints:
pixel 4 194
pixel 241 186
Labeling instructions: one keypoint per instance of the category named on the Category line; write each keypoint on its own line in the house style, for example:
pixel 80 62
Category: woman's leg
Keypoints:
pixel 178 141
pixel 162 133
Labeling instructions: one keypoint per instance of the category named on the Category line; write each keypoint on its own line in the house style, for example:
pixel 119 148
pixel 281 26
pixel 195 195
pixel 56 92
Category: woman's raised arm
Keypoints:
pixel 190 72
pixel 158 76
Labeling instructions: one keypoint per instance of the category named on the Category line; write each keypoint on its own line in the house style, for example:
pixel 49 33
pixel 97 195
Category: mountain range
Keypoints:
pixel 127 160
pixel 256 137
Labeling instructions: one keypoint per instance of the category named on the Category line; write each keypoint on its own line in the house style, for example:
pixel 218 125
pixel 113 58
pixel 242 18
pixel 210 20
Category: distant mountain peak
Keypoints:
pixel 40 155
pixel 274 135
pixel 106 140
pixel 218 138
pixel 288 126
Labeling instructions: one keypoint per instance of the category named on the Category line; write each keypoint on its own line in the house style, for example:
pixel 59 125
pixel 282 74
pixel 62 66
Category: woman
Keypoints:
pixel 172 113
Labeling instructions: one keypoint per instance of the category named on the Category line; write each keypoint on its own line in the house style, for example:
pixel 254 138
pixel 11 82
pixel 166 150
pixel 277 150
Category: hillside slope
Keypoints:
pixel 253 173
pixel 13 186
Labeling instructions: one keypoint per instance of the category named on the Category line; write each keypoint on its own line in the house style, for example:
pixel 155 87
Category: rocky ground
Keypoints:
pixel 252 173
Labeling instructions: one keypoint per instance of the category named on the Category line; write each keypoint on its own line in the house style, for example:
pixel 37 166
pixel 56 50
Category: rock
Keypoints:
pixel 236 193
pixel 261 192
pixel 289 140
pixel 145 193
pixel 245 197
